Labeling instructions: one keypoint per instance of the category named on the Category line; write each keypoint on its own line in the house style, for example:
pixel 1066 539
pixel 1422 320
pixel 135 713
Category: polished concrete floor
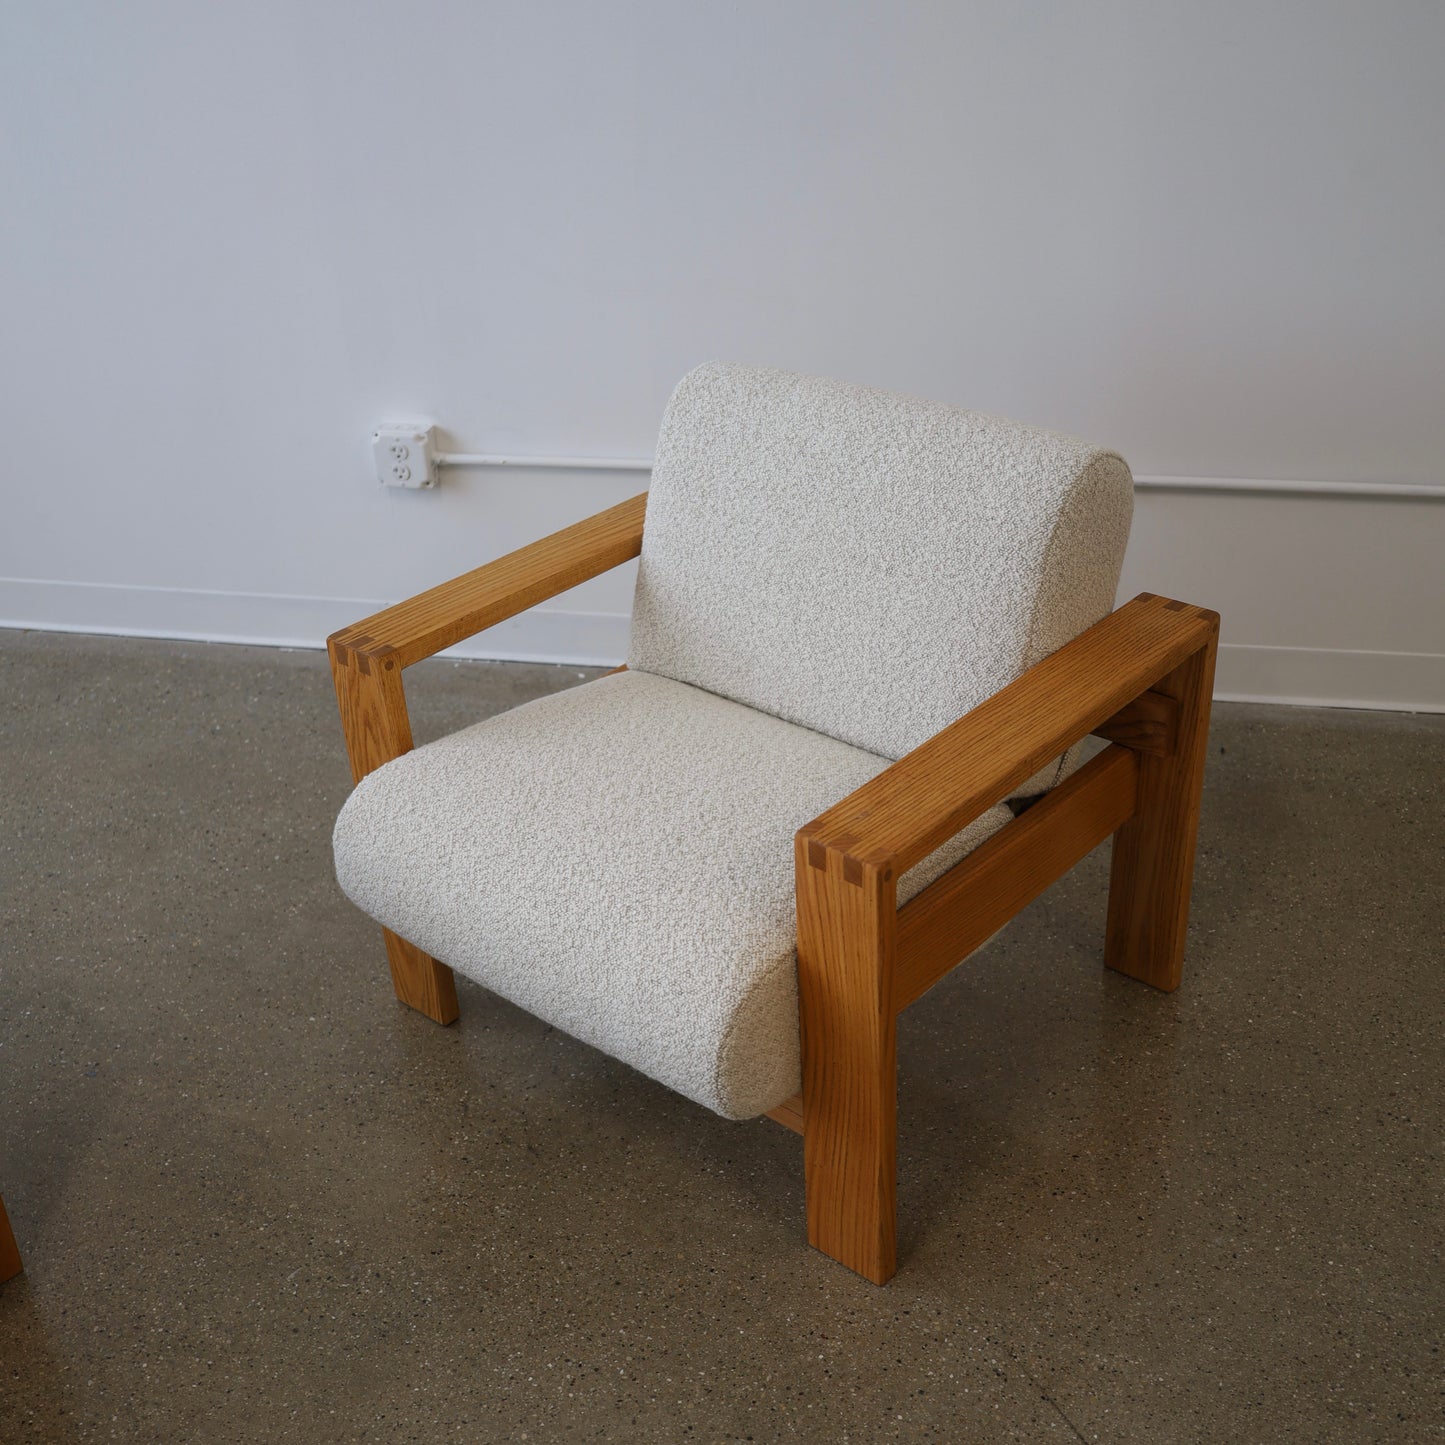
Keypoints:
pixel 260 1201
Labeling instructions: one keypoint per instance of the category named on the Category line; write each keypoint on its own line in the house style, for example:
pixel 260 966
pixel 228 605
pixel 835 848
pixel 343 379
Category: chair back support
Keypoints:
pixel 865 564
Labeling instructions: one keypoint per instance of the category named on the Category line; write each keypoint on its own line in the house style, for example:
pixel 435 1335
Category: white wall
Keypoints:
pixel 236 236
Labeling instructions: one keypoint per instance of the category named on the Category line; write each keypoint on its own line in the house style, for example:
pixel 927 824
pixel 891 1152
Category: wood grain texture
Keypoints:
pixel 909 809
pixel 1149 724
pixel 849 1038
pixel 10 1264
pixel 372 701
pixel 969 904
pixel 789 1113
pixel 1141 676
pixel 374 719
pixel 432 620
pixel 421 981
pixel 1152 871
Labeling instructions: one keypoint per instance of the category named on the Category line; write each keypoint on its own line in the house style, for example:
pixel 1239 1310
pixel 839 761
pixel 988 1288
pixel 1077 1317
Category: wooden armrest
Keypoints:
pixel 905 812
pixel 367 658
pixel 425 624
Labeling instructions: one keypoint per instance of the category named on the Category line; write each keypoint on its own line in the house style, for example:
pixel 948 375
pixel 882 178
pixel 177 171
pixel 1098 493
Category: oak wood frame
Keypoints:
pixel 1142 679
pixel 10 1264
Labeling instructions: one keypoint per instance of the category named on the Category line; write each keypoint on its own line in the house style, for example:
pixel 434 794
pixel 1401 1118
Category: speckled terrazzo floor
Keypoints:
pixel 260 1201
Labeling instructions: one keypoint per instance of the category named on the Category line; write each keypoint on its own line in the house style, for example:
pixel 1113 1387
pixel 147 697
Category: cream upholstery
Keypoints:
pixel 829 576
pixel 868 565
pixel 618 859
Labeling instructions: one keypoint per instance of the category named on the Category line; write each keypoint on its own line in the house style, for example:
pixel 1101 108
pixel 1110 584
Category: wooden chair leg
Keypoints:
pixel 374 719
pixel 1153 864
pixel 420 981
pixel 10 1264
pixel 846 924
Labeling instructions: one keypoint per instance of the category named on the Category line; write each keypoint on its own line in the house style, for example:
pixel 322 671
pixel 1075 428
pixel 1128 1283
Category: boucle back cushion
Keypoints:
pixel 864 564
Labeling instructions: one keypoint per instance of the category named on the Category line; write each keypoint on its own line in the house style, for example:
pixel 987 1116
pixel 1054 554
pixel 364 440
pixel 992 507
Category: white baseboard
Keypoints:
pixel 1302 676
pixel 1331 677
pixel 276 620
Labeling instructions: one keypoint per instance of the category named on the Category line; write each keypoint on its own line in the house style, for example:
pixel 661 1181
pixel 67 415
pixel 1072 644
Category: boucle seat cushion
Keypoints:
pixel 618 860
pixel 865 564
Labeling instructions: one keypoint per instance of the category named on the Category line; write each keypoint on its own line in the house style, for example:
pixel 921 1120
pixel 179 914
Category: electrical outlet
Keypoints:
pixel 405 454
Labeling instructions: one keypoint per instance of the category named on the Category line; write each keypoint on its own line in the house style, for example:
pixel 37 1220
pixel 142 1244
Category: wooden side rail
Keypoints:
pixel 900 816
pixel 962 910
pixel 368 657
pixel 1143 677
